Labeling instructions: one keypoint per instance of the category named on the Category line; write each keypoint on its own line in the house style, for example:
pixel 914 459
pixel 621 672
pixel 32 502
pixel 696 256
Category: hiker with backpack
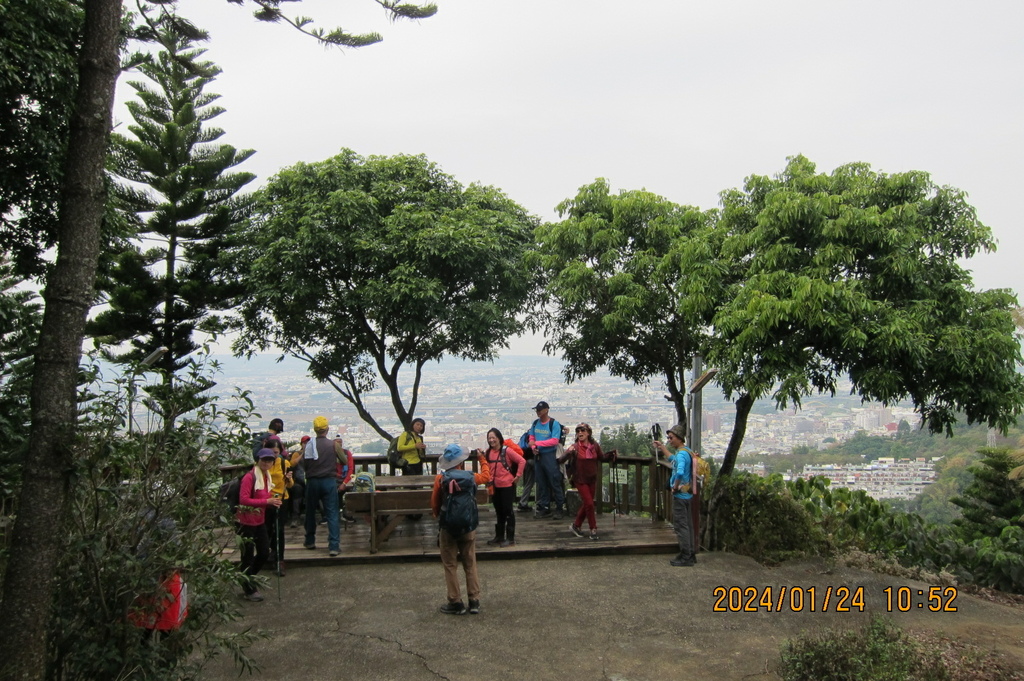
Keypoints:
pixel 255 495
pixel 453 502
pixel 507 464
pixel 584 456
pixel 411 447
pixel 273 431
pixel 682 494
pixel 545 438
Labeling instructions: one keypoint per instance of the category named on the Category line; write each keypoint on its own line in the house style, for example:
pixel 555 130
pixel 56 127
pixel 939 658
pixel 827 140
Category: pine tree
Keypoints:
pixel 177 188
pixel 991 501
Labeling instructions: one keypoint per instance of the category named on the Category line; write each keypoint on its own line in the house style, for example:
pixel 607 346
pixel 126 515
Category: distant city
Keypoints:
pixel 461 400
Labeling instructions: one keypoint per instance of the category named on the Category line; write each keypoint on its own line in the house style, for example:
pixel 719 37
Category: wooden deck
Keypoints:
pixel 416 540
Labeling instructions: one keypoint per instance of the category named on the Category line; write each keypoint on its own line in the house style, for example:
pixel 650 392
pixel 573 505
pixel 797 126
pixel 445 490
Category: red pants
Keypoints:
pixel 586 506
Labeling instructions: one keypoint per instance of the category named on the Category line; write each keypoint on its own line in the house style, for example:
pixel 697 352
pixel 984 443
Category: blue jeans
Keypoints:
pixel 323 490
pixel 549 481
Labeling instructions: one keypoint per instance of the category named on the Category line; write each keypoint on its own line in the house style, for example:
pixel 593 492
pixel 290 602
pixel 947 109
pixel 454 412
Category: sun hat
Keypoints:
pixel 453 455
pixel 320 423
pixel 679 431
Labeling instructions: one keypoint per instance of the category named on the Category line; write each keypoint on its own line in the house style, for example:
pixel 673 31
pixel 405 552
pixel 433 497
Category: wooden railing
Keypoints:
pixel 640 490
pixel 634 485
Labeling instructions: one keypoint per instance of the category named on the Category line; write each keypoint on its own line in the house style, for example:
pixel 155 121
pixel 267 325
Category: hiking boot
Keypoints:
pixel 542 514
pixel 255 597
pixel 310 547
pixel 333 553
pixel 497 538
pixel 524 508
pixel 575 530
pixel 507 543
pixel 593 535
pixel 349 518
pixel 681 563
pixel 558 514
pixel 456 608
pixel 474 607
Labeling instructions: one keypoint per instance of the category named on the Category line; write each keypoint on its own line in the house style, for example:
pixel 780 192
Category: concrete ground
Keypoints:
pixel 619 618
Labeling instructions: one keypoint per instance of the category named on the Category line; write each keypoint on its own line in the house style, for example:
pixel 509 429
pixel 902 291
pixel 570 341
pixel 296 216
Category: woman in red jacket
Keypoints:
pixel 254 496
pixel 584 456
pixel 503 459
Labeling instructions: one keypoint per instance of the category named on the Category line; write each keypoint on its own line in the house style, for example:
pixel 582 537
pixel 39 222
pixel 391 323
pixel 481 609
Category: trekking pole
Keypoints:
pixel 280 547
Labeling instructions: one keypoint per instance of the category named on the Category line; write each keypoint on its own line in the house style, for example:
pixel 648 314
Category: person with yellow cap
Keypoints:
pixel 320 461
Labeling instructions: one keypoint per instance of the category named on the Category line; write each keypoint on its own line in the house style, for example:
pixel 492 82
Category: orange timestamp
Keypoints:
pixel 788 599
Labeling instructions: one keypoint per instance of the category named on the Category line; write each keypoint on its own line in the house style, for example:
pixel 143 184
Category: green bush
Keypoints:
pixel 142 507
pixel 879 651
pixel 758 517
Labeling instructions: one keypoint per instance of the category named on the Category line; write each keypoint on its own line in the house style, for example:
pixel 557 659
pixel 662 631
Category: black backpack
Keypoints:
pixel 459 513
pixel 230 492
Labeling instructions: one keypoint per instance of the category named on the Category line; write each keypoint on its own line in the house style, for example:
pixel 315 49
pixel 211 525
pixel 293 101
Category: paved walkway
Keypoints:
pixel 620 618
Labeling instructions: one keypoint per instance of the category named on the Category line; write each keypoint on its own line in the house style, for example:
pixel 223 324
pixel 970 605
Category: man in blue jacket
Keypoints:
pixel 544 437
pixel 682 494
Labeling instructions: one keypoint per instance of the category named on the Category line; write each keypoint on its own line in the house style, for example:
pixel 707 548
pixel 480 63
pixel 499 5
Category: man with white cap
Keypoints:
pixel 320 461
pixel 453 542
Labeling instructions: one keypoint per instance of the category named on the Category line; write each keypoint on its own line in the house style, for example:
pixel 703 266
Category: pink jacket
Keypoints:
pixel 501 476
pixel 254 499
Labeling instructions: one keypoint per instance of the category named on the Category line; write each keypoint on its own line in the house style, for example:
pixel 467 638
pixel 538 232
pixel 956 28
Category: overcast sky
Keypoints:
pixel 686 99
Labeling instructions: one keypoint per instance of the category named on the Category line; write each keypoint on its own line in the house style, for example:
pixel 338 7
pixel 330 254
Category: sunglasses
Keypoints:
pixel 582 430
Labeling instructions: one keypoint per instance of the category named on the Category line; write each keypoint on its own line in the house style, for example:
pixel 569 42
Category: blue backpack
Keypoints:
pixel 459 513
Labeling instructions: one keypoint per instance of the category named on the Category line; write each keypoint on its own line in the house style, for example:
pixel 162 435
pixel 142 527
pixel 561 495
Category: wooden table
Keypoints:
pixel 394 500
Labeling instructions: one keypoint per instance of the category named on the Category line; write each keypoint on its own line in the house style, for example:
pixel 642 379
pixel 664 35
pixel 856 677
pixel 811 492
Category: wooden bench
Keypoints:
pixel 395 503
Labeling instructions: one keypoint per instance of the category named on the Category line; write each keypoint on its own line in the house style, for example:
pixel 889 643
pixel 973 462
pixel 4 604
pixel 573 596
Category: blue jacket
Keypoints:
pixel 682 472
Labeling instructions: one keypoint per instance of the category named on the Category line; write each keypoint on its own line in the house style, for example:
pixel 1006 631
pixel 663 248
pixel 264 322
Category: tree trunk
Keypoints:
pixel 739 430
pixel 36 540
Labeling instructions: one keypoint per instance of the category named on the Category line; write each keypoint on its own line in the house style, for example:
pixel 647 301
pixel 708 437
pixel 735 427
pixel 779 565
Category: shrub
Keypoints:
pixel 758 517
pixel 142 508
pixel 879 651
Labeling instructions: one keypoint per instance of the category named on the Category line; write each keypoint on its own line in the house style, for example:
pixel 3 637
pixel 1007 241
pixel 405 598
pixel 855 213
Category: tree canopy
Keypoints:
pixel 857 273
pixel 364 266
pixel 38 76
pixel 630 285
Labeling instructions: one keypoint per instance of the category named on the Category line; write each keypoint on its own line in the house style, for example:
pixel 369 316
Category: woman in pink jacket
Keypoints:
pixel 503 459
pixel 254 495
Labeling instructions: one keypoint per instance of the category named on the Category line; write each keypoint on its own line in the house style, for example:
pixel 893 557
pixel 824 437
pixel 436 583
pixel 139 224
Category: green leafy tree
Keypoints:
pixel 361 267
pixel 632 285
pixel 160 288
pixel 38 76
pixel 857 273
pixel 29 581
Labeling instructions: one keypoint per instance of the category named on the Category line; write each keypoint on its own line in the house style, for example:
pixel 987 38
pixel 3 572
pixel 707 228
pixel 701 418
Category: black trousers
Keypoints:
pixel 504 498
pixel 255 550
